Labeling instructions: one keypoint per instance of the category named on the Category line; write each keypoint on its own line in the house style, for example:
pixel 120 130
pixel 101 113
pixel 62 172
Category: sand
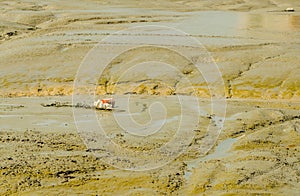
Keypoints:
pixel 255 45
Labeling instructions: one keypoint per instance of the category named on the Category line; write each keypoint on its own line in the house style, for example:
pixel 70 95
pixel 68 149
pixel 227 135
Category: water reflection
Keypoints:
pixel 294 22
pixel 228 27
pixel 270 26
pixel 270 22
pixel 223 27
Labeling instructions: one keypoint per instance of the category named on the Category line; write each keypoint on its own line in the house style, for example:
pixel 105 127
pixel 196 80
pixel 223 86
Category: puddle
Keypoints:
pixel 209 23
pixel 221 151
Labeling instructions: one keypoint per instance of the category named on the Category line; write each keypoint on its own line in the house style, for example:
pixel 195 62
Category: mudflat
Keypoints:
pixel 44 145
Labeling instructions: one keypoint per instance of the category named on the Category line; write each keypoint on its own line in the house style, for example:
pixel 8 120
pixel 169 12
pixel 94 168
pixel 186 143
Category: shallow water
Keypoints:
pixel 225 27
pixel 209 27
pixel 221 151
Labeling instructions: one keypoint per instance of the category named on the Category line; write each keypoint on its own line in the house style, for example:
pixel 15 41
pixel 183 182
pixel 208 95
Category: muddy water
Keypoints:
pixel 225 27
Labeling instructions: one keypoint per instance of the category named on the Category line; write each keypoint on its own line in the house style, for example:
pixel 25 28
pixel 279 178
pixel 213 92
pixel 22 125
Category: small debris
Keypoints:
pixel 9 34
pixel 289 9
pixel 105 104
pixel 56 104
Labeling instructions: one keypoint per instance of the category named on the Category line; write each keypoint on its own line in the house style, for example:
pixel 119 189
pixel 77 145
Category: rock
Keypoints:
pixel 12 33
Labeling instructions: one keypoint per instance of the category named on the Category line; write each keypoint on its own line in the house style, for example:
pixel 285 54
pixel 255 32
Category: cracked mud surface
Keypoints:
pixel 254 43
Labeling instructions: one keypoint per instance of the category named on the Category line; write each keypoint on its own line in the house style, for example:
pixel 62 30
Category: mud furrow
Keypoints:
pixel 242 72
